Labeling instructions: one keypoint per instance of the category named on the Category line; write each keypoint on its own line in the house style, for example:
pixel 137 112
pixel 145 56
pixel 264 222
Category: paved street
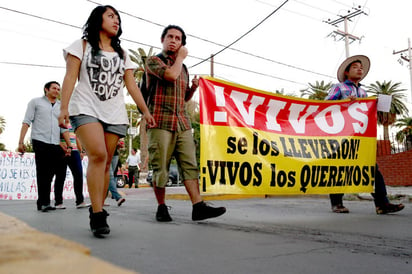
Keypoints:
pixel 273 235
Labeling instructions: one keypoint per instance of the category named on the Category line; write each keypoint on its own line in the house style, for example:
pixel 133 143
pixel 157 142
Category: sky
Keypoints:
pixel 286 51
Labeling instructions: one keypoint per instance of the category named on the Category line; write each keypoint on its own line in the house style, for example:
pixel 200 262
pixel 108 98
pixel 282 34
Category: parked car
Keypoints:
pixel 122 179
pixel 174 176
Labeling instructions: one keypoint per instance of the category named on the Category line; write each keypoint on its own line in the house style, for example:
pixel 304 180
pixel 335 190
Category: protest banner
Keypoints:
pixel 18 178
pixel 256 142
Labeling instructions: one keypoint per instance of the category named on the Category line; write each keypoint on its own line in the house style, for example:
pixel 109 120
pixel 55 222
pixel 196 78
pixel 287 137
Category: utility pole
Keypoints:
pixel 212 71
pixel 130 132
pixel 407 59
pixel 339 34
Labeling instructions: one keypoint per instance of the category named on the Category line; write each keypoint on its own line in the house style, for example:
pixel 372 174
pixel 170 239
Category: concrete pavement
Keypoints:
pixel 28 250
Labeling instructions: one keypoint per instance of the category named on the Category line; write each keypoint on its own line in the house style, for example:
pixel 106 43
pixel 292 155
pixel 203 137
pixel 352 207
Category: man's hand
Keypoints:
pixel 195 82
pixel 21 148
pixel 182 52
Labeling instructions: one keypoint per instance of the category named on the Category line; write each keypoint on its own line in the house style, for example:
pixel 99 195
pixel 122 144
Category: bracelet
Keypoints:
pixel 70 148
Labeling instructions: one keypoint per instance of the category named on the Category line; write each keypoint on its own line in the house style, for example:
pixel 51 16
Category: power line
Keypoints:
pixel 40 17
pixel 306 4
pixel 241 37
pixel 30 65
pixel 260 73
pixel 136 42
pixel 222 64
pixel 288 10
pixel 218 44
pixel 344 4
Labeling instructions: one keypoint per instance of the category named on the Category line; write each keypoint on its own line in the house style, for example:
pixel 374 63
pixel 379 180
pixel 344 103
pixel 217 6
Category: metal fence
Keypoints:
pixel 393 146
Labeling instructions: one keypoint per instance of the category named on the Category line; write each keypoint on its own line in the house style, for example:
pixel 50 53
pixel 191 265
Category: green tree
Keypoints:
pixel 2 124
pixel 29 147
pixel 397 106
pixel 282 92
pixel 404 135
pixel 192 107
pixel 139 57
pixel 317 91
pixel 2 128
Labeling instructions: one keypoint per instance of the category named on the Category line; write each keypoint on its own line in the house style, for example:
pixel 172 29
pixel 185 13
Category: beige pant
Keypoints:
pixel 164 144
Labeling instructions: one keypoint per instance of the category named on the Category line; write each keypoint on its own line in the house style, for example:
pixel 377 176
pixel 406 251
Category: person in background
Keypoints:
pixel 133 166
pixel 172 134
pixel 96 106
pixel 113 171
pixel 41 115
pixel 73 159
pixel 350 73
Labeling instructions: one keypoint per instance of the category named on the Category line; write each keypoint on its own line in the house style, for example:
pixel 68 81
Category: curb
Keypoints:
pixel 26 250
pixel 212 197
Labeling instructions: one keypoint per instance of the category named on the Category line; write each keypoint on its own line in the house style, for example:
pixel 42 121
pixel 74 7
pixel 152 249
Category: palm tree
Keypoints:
pixel 397 106
pixel 2 124
pixel 317 91
pixel 29 146
pixel 405 134
pixel 139 57
pixel 2 128
pixel 283 92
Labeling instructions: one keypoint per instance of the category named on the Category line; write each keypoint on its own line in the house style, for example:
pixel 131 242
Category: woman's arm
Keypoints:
pixel 72 73
pixel 136 94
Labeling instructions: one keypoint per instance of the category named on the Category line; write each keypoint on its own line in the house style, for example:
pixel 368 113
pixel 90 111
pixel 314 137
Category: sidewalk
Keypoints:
pixel 26 250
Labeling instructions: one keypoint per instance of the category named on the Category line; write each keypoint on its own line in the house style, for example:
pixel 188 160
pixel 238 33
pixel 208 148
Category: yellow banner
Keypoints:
pixel 245 159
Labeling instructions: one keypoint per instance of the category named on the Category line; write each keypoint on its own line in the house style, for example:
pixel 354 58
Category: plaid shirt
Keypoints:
pixel 344 90
pixel 168 103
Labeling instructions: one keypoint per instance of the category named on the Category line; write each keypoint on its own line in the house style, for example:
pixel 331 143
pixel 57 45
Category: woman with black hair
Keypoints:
pixel 95 106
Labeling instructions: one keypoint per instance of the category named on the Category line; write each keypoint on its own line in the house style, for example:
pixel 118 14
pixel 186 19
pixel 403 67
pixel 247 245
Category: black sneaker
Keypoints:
pixel 162 214
pixel 98 223
pixel 202 211
pixel 45 208
pixel 121 201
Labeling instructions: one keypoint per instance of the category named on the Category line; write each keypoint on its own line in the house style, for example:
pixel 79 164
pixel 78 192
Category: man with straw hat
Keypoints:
pixel 350 73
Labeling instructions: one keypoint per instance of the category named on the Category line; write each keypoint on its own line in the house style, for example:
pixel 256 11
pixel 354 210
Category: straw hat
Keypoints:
pixel 362 58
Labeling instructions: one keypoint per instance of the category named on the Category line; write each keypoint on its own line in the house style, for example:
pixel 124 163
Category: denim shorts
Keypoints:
pixel 83 119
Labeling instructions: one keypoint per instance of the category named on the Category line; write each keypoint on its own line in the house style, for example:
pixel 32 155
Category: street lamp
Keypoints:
pixel 132 131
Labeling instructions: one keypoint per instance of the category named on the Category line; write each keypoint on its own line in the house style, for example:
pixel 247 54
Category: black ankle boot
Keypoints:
pixel 98 223
pixel 162 214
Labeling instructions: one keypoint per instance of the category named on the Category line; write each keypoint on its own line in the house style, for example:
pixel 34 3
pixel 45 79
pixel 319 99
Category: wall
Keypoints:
pixel 396 168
